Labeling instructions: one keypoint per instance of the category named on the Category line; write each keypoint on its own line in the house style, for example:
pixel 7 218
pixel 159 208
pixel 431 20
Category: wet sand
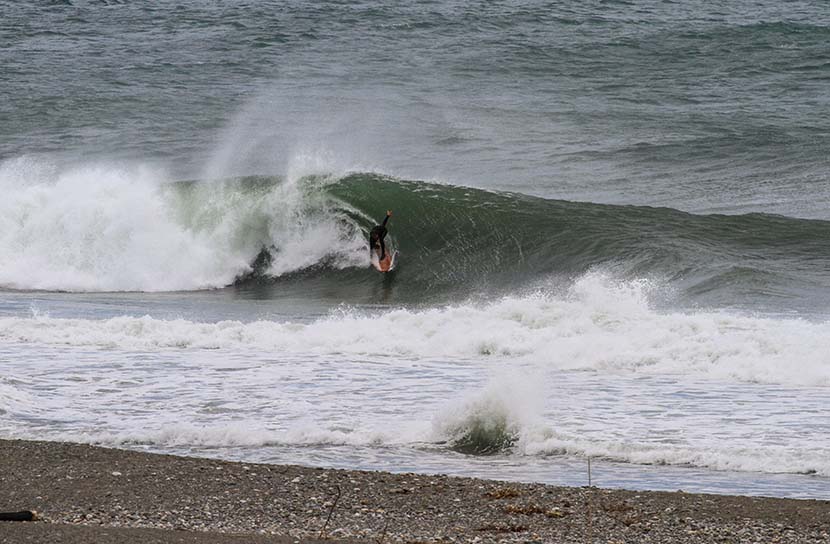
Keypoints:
pixel 87 494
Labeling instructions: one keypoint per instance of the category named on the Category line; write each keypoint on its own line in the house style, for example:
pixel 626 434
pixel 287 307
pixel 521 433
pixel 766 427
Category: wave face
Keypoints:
pixel 456 236
pixel 100 229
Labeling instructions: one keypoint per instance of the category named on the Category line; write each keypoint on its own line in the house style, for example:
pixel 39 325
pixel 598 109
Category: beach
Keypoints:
pixel 91 494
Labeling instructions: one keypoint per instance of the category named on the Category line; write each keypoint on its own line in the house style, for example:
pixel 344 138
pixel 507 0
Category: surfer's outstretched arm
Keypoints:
pixel 383 234
pixel 377 234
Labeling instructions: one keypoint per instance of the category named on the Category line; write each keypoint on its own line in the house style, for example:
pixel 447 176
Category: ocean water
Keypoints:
pixel 613 219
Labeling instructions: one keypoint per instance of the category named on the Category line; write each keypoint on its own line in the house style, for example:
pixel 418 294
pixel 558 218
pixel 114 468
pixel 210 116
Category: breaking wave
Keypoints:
pixel 106 229
pixel 598 324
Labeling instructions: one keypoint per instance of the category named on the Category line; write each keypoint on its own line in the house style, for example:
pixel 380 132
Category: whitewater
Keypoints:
pixel 105 228
pixel 599 325
pixel 549 379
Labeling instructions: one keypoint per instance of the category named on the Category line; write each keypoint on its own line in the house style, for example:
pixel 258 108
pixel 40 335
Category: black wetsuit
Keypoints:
pixel 377 234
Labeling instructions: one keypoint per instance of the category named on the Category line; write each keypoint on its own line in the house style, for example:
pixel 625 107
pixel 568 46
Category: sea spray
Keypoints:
pixel 105 228
pixel 490 421
pixel 310 229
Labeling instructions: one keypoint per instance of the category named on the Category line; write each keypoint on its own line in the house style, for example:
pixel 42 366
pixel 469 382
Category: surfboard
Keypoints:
pixel 388 264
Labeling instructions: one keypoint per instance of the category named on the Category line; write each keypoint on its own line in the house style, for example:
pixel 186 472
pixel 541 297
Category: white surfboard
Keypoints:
pixel 388 264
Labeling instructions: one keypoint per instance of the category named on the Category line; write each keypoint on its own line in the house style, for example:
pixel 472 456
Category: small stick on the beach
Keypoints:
pixel 331 511
pixel 589 472
pixel 590 524
pixel 383 534
pixel 25 515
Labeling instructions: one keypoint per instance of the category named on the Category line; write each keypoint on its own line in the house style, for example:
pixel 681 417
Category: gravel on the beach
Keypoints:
pixel 92 494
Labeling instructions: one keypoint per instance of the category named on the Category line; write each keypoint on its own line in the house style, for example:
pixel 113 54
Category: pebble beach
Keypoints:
pixel 91 494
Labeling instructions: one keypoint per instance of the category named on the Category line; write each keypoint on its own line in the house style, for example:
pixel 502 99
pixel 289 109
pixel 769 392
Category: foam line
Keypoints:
pixel 600 325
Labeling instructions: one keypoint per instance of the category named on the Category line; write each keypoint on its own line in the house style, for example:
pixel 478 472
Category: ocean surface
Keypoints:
pixel 613 219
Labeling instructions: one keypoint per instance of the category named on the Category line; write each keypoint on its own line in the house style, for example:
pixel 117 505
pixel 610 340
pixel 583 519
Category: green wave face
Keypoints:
pixel 457 241
pixel 453 236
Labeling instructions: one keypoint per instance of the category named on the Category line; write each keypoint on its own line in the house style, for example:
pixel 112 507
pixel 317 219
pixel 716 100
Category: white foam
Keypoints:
pixel 511 404
pixel 230 435
pixel 304 232
pixel 600 325
pixel 749 458
pixel 15 400
pixel 769 459
pixel 238 434
pixel 106 228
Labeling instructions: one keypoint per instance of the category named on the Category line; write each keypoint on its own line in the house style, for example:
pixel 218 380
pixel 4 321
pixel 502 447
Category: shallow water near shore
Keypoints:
pixel 612 220
pixel 317 391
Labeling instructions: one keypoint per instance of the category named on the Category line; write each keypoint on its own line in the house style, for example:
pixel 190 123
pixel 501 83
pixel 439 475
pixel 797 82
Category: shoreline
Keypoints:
pixel 93 494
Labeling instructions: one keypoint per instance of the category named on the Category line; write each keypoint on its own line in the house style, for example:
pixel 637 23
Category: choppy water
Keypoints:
pixel 612 220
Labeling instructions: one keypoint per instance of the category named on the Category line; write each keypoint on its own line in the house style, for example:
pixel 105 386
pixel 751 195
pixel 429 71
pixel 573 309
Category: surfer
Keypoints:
pixel 376 236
